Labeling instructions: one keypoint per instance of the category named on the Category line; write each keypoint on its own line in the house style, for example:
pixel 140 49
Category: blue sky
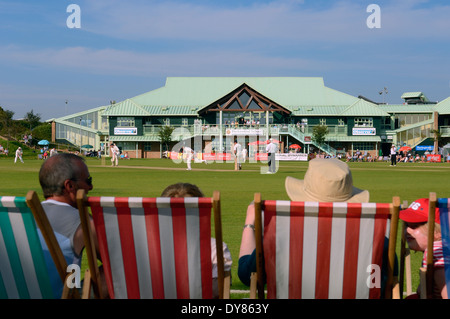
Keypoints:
pixel 126 48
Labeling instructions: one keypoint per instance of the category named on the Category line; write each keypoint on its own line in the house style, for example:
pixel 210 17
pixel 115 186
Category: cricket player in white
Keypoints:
pixel 114 152
pixel 237 153
pixel 189 152
pixel 18 155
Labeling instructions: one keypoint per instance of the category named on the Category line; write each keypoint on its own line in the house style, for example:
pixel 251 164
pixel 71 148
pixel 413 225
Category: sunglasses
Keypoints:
pixel 414 225
pixel 87 181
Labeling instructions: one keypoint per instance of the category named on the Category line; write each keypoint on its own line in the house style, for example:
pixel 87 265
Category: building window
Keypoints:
pixel 125 121
pixel 126 146
pixel 184 121
pixel 341 122
pixel 386 123
pixel 363 146
pixel 323 121
pixel 363 122
pixel 147 146
pixel 167 121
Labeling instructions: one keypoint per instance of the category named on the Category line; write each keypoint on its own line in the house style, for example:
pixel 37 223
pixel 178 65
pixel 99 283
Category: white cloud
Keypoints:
pixel 114 62
pixel 342 21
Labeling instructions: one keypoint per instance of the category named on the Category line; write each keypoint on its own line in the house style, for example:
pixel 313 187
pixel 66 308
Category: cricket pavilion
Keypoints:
pixel 208 113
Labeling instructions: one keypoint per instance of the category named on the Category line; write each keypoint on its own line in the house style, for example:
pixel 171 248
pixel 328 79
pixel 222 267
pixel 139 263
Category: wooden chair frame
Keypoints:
pixel 427 273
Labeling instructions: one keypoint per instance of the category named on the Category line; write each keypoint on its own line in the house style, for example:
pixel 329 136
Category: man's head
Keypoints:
pixel 62 175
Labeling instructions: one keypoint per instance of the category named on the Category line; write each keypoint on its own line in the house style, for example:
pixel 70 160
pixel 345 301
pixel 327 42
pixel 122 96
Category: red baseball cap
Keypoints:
pixel 417 212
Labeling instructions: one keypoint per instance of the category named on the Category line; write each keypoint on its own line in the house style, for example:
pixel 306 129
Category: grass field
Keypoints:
pixel 139 177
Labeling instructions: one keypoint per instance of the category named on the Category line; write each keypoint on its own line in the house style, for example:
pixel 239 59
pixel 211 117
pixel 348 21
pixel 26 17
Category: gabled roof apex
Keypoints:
pixel 363 108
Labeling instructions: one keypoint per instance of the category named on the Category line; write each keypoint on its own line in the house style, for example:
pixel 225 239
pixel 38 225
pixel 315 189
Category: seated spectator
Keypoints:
pixel 416 219
pixel 326 180
pixel 190 190
pixel 60 177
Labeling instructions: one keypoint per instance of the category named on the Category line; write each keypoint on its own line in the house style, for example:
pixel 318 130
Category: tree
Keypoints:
pixel 437 140
pixel 165 135
pixel 319 133
pixel 6 120
pixel 43 132
pixel 33 119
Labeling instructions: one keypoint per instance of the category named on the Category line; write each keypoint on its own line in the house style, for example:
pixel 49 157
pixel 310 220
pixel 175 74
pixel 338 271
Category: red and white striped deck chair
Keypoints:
pixel 154 248
pixel 311 250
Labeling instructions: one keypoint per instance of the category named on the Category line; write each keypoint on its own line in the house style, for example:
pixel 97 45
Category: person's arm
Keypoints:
pixel 247 257
pixel 439 281
pixel 248 244
pixel 78 240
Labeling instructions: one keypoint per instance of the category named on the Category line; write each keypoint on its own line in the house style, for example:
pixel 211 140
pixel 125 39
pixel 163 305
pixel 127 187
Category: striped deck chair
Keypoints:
pixel 23 269
pixel 154 248
pixel 427 273
pixel 324 250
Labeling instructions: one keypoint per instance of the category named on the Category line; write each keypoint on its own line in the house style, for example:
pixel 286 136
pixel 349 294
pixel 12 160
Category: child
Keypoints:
pixel 416 219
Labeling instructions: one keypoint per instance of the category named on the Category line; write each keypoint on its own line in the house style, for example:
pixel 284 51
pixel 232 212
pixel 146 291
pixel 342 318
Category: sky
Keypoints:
pixel 57 60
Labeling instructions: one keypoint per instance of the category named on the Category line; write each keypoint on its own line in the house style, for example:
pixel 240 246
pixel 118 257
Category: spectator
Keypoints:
pixel 416 219
pixel 60 178
pixel 326 180
pixel 190 190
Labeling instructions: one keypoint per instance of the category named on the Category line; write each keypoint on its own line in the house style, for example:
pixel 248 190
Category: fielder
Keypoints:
pixel 19 154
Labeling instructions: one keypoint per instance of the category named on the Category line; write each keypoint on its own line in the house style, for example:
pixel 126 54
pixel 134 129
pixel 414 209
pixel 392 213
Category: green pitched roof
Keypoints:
pixel 318 110
pixel 126 107
pixel 407 95
pixel 407 108
pixel 363 108
pixel 196 92
pixel 443 107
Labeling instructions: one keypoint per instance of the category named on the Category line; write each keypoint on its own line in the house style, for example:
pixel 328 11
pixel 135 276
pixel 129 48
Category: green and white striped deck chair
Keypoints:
pixel 23 270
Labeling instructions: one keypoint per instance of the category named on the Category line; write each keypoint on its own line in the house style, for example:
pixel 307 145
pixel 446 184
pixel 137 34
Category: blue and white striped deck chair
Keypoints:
pixel 444 210
pixel 23 270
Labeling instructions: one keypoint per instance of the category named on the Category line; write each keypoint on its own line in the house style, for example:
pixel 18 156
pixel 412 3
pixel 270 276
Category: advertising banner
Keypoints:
pixel 434 158
pixel 217 156
pixel 261 156
pixel 291 157
pixel 424 148
pixel 364 131
pixel 125 131
pixel 244 132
